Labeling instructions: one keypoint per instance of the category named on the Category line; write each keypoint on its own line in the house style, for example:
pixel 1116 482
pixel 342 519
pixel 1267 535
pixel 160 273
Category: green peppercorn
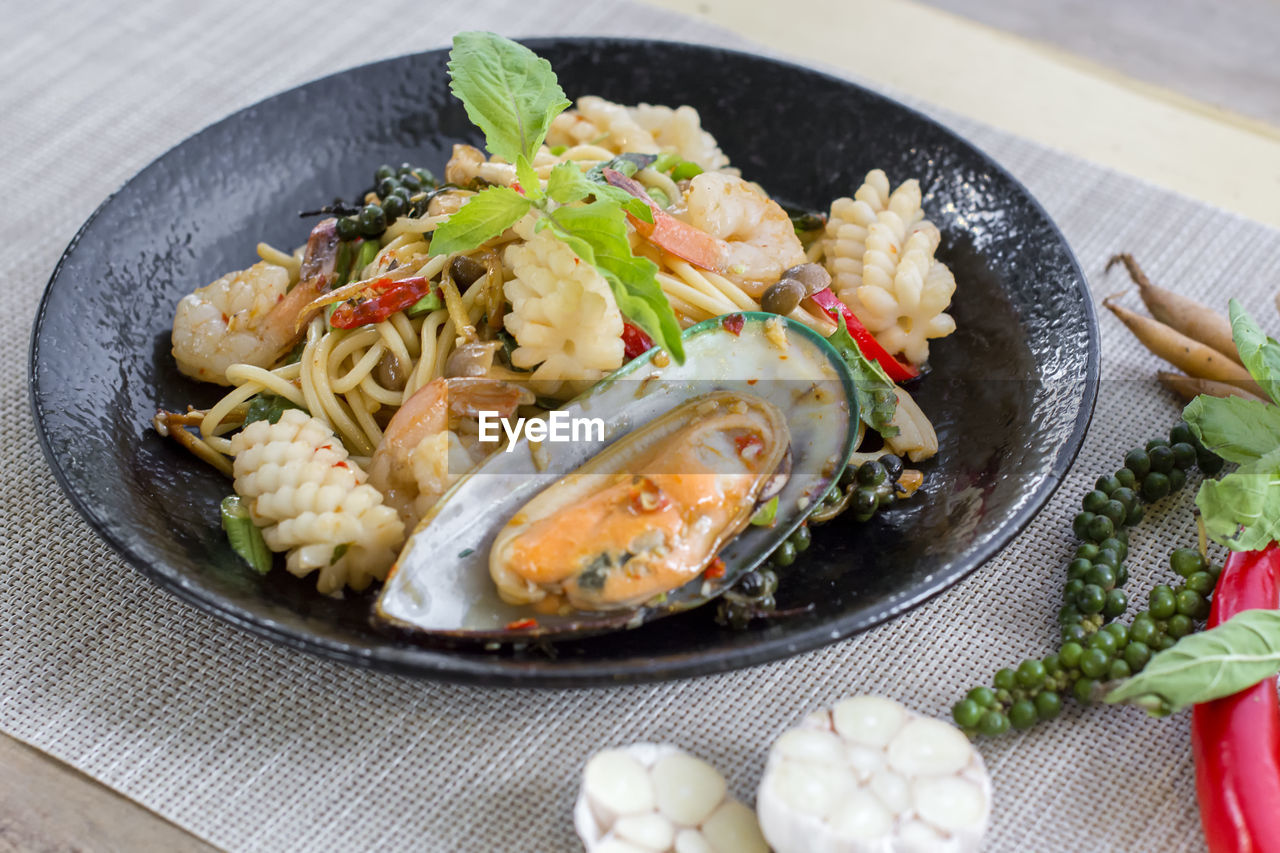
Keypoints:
pixel 1115 546
pixel 1189 602
pixel 1135 515
pixel 801 539
pixel 871 473
pixel 1052 665
pixel 1200 582
pixel 1120 631
pixel 1161 602
pixel 1094 501
pixel 1119 669
pixel 1094 662
pixel 1005 679
pixel 1101 575
pixel 386 186
pixel 1071 590
pixel 393 206
pixel 1073 634
pixel 1180 625
pixel 1080 524
pixel 1117 604
pixel 1215 570
pixel 1122 575
pixel 347 228
pixel 1162 459
pixel 1136 654
pixel 372 220
pixel 1184 455
pixel 967 714
pixel 1091 599
pixel 1107 485
pixel 1162 642
pixel 1126 478
pixel 1210 463
pixel 1048 705
pixel 893 466
pixel 1116 511
pixel 1083 690
pixel 410 182
pixel 1030 674
pixel 384 171
pixel 984 696
pixel 1023 714
pixel 1126 497
pixel 1181 434
pixel 1142 629
pixel 993 724
pixel 864 504
pixel 1104 642
pixel 1078 568
pixel 1186 562
pixel 1070 654
pixel 1153 443
pixel 1101 527
pixel 1138 462
pixel 1155 486
pixel 1177 479
pixel 425 175
pixel 785 555
pixel 1087 551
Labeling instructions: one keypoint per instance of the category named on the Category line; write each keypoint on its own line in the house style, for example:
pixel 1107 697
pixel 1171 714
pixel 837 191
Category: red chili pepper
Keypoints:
pixel 515 185
pixel 522 624
pixel 1236 739
pixel 715 569
pixel 634 340
pixel 383 298
pixel 829 302
pixel 733 324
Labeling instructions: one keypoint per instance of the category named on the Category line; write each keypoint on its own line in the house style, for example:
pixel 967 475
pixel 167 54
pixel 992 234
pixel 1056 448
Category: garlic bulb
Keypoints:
pixel 870 776
pixel 652 798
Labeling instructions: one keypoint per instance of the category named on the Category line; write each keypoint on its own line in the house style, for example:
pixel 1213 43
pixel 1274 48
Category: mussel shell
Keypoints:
pixel 440 587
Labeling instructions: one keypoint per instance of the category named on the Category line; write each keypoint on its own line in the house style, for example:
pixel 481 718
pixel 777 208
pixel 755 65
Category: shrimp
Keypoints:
pixel 421 455
pixel 251 316
pixel 757 239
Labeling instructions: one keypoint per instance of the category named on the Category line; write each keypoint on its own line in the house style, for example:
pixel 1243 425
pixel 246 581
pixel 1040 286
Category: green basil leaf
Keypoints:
pixel 597 233
pixel 628 164
pixel 268 407
pixel 567 184
pixel 876 393
pixel 1242 510
pixel 1219 662
pixel 508 91
pixel 486 215
pixel 425 305
pixel 1260 354
pixel 528 179
pixel 1236 429
pixel 244 536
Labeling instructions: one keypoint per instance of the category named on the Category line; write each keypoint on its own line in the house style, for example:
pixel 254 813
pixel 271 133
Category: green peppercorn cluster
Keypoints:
pixel 1094 648
pixel 861 489
pixel 403 191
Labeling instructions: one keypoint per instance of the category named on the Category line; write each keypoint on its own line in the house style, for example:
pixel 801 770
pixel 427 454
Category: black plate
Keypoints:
pixel 1011 392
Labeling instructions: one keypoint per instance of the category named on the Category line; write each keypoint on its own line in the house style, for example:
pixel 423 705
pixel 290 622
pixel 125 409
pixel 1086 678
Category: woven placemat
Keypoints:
pixel 254 747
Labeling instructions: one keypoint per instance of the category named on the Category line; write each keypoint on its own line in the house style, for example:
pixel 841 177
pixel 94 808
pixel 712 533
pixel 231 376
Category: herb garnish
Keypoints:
pixel 877 399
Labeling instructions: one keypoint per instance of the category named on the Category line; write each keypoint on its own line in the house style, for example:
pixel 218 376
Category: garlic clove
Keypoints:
pixel 812 788
pixel 864 760
pixel 891 790
pixel 868 720
pixel 692 841
pixel 929 747
pixel 733 828
pixel 860 815
pixel 687 789
pixel 617 845
pixel 819 747
pixel 650 831
pixel 617 784
pixel 950 802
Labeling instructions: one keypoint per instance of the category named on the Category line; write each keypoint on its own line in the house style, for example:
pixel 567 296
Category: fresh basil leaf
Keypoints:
pixel 1209 665
pixel 597 233
pixel 244 536
pixel 508 91
pixel 425 305
pixel 1242 510
pixel 268 407
pixel 1236 429
pixel 628 164
pixel 528 179
pixel 567 184
pixel 877 395
pixel 486 215
pixel 1260 354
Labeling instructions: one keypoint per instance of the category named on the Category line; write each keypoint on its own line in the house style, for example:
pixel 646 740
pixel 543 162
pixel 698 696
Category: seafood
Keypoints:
pixel 313 502
pixel 644 128
pixel 420 455
pixel 659 503
pixel 251 316
pixel 441 585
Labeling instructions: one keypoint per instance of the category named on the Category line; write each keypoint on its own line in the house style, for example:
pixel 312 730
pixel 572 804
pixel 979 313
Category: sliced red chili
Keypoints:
pixel 634 340
pixel 380 300
pixel 715 569
pixel 830 303
pixel 522 624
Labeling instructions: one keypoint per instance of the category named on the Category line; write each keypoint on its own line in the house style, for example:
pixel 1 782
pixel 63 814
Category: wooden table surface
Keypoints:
pixel 1179 92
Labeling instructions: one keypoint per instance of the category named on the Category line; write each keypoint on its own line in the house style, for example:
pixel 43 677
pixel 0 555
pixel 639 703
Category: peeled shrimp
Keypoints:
pixel 755 236
pixel 421 456
pixel 250 316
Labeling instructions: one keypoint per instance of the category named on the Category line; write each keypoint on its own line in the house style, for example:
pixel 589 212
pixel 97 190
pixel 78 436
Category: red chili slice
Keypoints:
pixel 634 340
pixel 383 298
pixel 829 302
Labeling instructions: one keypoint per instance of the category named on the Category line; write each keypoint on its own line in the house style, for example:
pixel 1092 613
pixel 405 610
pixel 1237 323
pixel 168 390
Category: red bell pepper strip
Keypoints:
pixel 634 340
pixel 1236 739
pixel 382 298
pixel 829 302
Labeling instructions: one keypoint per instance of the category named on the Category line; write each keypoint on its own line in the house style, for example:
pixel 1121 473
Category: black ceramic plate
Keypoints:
pixel 1010 393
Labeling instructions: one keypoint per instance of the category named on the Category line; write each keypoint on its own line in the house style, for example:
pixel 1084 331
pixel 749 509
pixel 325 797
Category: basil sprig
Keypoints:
pixel 1209 665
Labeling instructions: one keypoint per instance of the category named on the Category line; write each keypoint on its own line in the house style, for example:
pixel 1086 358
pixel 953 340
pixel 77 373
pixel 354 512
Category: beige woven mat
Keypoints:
pixel 257 748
